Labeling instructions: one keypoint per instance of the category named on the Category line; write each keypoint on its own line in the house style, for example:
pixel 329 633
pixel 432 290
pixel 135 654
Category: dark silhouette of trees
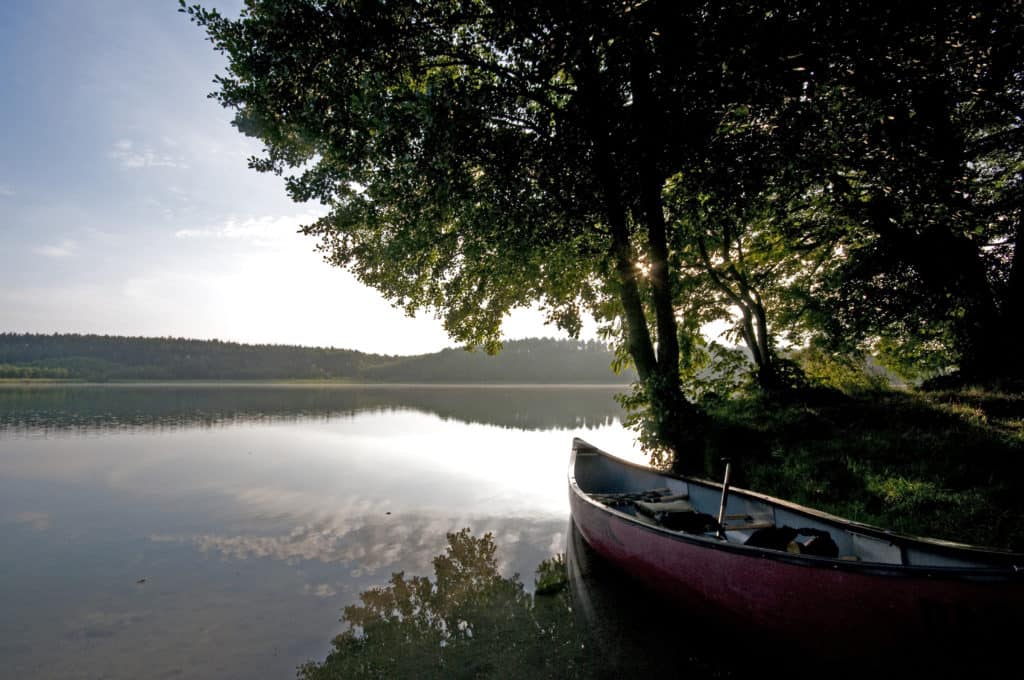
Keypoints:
pixel 924 126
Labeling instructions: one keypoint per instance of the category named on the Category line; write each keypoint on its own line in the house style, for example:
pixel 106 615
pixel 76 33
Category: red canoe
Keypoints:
pixel 881 591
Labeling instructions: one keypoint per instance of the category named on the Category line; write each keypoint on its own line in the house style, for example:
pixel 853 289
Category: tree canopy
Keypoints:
pixel 849 173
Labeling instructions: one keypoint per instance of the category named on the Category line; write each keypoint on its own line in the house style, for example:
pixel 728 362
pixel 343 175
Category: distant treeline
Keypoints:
pixel 102 357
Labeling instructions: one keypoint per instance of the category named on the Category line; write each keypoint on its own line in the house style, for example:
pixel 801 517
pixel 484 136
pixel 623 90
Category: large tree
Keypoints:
pixel 479 156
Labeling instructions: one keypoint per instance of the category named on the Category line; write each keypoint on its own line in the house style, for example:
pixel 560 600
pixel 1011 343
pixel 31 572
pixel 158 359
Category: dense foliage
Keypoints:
pixel 95 357
pixel 846 175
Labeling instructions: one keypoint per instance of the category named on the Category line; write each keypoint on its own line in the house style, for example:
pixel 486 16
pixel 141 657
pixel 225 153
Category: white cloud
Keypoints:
pixel 129 156
pixel 178 193
pixel 322 590
pixel 266 230
pixel 65 248
pixel 6 190
pixel 247 279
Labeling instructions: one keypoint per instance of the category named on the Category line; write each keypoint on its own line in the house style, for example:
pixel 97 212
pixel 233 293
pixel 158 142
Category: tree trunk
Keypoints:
pixel 954 276
pixel 679 421
pixel 638 336
pixel 677 424
pixel 683 424
pixel 754 327
pixel 952 263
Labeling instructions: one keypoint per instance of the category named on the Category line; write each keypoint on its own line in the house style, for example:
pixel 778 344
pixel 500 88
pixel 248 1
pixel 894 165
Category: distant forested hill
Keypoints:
pixel 102 357
pixel 523 361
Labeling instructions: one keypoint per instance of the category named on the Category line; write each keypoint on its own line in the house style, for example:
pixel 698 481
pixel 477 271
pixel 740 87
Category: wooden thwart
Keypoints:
pixel 748 526
pixel 662 495
pixel 749 522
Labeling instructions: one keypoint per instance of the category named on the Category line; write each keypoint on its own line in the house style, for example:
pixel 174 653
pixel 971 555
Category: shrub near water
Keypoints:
pixel 848 374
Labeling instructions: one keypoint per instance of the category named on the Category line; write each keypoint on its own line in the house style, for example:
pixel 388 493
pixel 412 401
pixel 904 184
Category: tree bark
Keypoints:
pixel 637 333
pixel 677 423
pixel 953 264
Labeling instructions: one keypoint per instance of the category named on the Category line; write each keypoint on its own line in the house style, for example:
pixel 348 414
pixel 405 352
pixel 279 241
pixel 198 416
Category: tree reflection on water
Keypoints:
pixel 469 621
pixel 585 620
pixel 156 406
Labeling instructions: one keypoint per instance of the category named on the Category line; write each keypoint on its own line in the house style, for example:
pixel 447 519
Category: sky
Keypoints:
pixel 126 203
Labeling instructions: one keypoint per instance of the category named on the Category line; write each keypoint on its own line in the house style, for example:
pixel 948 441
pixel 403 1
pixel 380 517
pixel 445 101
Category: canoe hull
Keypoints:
pixel 835 607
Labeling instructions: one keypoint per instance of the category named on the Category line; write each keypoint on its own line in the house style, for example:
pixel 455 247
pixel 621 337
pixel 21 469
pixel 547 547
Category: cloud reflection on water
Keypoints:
pixel 373 547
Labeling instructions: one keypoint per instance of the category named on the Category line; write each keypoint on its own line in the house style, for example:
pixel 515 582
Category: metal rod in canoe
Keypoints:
pixel 725 498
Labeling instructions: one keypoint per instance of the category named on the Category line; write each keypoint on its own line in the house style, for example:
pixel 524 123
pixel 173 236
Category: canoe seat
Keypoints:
pixel 675 513
pixel 748 526
pixel 663 495
pixel 652 508
pixel 747 522
pixel 660 507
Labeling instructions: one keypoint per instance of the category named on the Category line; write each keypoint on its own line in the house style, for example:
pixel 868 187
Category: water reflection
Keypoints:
pixel 215 540
pixel 364 548
pixel 84 408
pixel 467 621
pixel 635 633
pixel 215 532
pixel 582 620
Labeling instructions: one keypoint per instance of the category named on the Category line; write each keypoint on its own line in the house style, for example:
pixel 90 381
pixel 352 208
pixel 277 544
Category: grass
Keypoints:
pixel 948 465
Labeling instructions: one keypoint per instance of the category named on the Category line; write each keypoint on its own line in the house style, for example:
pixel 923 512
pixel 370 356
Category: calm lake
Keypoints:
pixel 218 531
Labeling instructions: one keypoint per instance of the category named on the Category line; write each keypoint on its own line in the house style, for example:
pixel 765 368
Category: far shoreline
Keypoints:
pixel 270 382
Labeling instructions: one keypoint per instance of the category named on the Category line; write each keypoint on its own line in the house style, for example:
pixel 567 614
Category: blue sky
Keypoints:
pixel 126 206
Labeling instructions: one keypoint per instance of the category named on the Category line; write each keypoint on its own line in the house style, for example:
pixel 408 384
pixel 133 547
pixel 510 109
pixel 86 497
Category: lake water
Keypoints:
pixel 218 531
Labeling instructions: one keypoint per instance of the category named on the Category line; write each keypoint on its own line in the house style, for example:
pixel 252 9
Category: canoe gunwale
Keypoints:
pixel 1013 570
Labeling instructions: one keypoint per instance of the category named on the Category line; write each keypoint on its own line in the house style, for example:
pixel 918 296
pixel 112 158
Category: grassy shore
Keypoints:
pixel 947 464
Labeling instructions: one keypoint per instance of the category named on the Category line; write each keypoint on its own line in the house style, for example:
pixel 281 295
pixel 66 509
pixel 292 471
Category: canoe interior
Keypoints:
pixel 596 472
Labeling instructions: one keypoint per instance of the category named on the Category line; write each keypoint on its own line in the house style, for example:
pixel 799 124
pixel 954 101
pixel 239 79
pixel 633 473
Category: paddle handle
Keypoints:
pixel 725 497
